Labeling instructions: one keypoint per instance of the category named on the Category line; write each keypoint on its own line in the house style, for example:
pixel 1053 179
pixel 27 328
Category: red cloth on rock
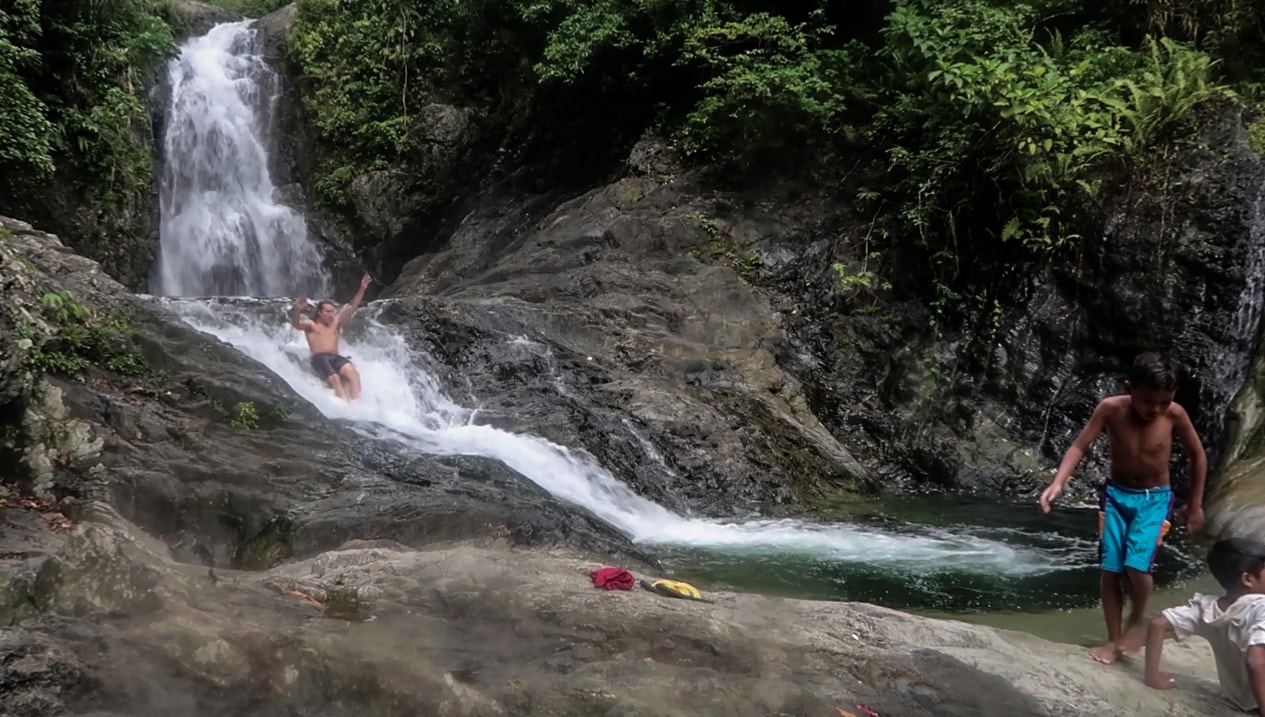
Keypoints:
pixel 613 579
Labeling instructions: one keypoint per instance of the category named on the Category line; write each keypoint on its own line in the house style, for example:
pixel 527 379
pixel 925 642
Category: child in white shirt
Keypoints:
pixel 1234 624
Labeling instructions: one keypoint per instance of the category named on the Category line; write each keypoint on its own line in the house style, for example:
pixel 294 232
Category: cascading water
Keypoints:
pixel 415 411
pixel 223 229
pixel 1228 367
pixel 225 234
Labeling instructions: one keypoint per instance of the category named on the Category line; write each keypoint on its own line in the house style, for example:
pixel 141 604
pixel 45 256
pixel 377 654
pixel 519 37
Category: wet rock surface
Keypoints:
pixel 715 317
pixel 597 319
pixel 197 18
pixel 648 322
pixel 217 456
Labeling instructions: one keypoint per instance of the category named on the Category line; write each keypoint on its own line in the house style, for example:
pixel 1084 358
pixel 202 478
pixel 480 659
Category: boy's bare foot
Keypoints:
pixel 1160 681
pixel 1106 654
pixel 1134 636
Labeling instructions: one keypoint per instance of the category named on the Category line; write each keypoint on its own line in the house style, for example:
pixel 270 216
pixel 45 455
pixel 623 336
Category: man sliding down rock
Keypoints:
pixel 322 341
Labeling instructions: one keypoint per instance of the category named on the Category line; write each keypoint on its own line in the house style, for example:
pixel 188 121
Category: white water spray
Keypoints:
pixel 223 229
pixel 402 402
pixel 224 233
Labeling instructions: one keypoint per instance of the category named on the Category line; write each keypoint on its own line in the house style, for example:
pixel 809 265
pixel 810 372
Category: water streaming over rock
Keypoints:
pixel 405 404
pixel 1227 369
pixel 225 234
pixel 224 229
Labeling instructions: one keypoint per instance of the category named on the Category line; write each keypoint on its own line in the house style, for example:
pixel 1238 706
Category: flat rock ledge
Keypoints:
pixel 106 619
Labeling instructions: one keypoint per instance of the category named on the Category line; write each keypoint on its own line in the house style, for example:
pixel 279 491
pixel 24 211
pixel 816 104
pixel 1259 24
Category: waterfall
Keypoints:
pixel 404 404
pixel 225 234
pixel 1227 369
pixel 223 229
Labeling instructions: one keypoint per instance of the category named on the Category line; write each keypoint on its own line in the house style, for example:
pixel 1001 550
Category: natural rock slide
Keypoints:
pixel 462 591
pixel 543 397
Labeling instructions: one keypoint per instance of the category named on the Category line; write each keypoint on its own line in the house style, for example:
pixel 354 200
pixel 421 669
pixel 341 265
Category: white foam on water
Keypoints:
pixel 225 231
pixel 224 228
pixel 403 402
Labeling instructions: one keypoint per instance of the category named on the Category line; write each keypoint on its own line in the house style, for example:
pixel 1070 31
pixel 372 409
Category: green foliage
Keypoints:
pixel 355 59
pixel 731 82
pixel 28 135
pixel 782 87
pixel 1233 30
pixel 1256 134
pixel 992 126
pixel 83 338
pixel 71 72
pixel 977 102
pixel 861 280
pixel 245 417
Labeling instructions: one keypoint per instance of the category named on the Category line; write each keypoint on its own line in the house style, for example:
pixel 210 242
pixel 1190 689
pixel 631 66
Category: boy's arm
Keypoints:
pixel 1074 453
pixel 1198 468
pixel 1255 657
pixel 1154 677
pixel 1183 621
pixel 354 304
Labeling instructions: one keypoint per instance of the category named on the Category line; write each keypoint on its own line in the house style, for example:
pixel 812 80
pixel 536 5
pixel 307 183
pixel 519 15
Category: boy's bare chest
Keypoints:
pixel 1154 439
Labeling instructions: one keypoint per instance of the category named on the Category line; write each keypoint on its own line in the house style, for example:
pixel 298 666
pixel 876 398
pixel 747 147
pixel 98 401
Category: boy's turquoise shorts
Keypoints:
pixel 1132 522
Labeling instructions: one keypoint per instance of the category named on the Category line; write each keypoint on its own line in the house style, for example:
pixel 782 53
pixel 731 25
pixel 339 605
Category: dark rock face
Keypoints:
pixel 387 210
pixel 122 237
pixel 1177 270
pixel 725 296
pixel 195 18
pixel 597 320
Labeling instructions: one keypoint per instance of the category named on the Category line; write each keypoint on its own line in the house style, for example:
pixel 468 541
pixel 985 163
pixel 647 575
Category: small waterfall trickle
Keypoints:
pixel 1227 371
pixel 224 231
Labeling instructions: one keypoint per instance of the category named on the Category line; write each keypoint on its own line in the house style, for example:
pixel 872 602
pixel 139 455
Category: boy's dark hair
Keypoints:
pixel 1231 557
pixel 322 304
pixel 1151 370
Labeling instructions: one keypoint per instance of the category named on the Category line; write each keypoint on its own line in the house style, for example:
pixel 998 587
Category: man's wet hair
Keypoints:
pixel 1151 370
pixel 1231 557
pixel 322 304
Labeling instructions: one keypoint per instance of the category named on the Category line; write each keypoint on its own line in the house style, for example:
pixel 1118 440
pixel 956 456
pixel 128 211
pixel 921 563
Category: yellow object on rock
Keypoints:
pixel 674 588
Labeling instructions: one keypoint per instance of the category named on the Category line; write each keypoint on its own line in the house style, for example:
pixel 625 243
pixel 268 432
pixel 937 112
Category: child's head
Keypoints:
pixel 1238 564
pixel 1151 385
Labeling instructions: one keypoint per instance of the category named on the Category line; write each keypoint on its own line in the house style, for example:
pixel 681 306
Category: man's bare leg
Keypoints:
pixel 1113 609
pixel 1141 585
pixel 337 384
pixel 352 376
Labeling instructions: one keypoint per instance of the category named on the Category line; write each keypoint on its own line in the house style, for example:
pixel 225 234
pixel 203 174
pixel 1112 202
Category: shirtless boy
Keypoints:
pixel 1137 500
pixel 322 340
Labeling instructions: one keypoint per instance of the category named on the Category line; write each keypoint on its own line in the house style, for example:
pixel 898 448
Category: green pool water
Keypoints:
pixel 1018 568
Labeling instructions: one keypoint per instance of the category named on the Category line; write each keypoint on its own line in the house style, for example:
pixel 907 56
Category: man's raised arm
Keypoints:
pixel 351 307
pixel 296 315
